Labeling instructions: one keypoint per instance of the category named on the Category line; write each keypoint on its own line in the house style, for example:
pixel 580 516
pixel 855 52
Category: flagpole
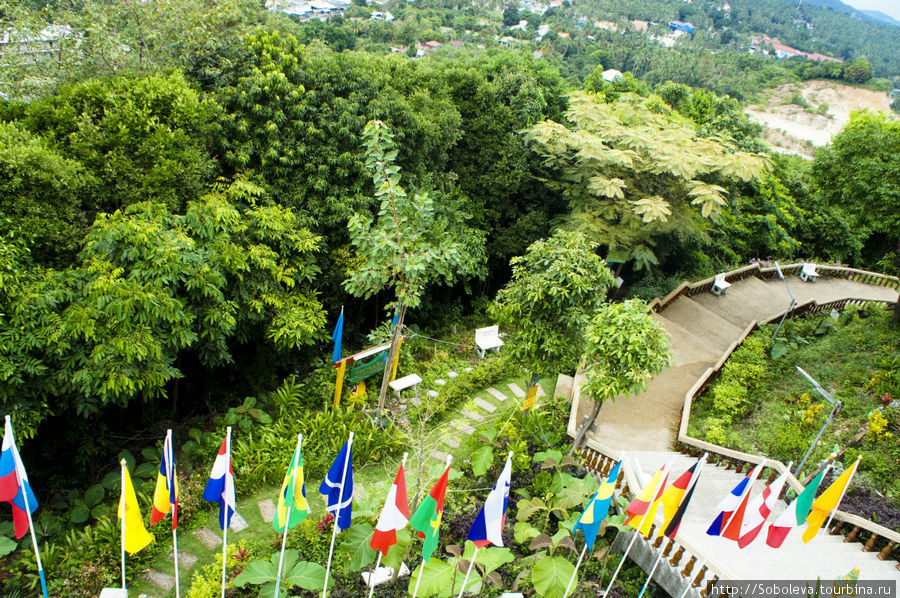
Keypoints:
pixel 690 583
pixel 287 518
pixel 171 466
pixel 378 560
pixel 422 568
pixel 462 590
pixel 841 497
pixel 336 513
pixel 575 572
pixel 225 510
pixel 652 571
pixel 122 515
pixel 637 532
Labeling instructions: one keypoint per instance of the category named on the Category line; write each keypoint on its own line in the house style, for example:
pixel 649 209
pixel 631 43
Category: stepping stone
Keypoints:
pixel 162 580
pixel 489 407
pixel 415 401
pixel 452 374
pixel 464 428
pixel 497 394
pixel 209 538
pixel 451 441
pixel 436 454
pixel 238 523
pixel 432 394
pixel 267 510
pixel 516 389
pixel 145 596
pixel 440 382
pixel 186 560
pixel 466 370
pixel 540 391
pixel 472 415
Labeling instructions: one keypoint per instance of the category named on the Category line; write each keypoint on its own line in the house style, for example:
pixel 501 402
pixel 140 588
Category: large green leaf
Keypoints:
pixel 524 531
pixel 356 546
pixel 437 578
pixel 7 545
pixel 551 575
pixel 309 576
pixel 259 572
pixel 482 460
pixel 494 557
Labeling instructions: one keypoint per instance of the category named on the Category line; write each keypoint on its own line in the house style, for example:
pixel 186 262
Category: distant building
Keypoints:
pixel 784 51
pixel 46 41
pixel 610 75
pixel 641 26
pixel 382 16
pixel 522 26
pixel 681 26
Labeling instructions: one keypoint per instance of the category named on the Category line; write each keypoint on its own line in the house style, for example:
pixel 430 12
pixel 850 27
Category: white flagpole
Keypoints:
pixel 637 532
pixel 422 568
pixel 652 571
pixel 575 572
pixel 287 518
pixel 122 515
pixel 462 590
pixel 690 582
pixel 841 497
pixel 744 494
pixel 378 560
pixel 225 511
pixel 173 481
pixel 336 513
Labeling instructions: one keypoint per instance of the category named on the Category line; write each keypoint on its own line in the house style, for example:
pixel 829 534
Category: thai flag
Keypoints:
pixel 338 486
pixel 220 487
pixel 733 502
pixel 488 526
pixel 14 486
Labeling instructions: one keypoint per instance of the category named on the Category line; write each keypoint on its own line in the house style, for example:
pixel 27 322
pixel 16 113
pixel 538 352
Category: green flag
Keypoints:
pixel 427 518
pixel 292 495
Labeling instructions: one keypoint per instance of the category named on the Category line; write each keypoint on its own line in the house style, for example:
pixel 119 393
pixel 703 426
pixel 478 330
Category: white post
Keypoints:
pixel 122 515
pixel 575 572
pixel 637 532
pixel 462 590
pixel 690 583
pixel 378 560
pixel 173 481
pixel 225 513
pixel 287 519
pixel 336 513
pixel 419 579
pixel 841 497
pixel 652 571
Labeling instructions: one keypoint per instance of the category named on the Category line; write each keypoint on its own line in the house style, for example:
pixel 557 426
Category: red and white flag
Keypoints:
pixel 759 509
pixel 394 515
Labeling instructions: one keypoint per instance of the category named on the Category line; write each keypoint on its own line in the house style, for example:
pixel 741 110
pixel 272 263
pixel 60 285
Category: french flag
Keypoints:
pixel 14 486
pixel 734 501
pixel 488 526
pixel 220 487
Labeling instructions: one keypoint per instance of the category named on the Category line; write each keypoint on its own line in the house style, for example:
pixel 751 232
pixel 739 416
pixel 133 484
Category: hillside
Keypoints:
pixel 796 126
pixel 876 16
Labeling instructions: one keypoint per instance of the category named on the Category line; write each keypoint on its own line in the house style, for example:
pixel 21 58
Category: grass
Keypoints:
pixel 371 482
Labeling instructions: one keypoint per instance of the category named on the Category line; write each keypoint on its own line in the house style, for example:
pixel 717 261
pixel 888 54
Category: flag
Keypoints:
pixel 759 510
pixel 135 536
pixel 427 518
pixel 795 514
pixel 338 487
pixel 396 316
pixel 220 487
pixel 337 337
pixel 676 498
pixel 292 495
pixel 732 502
pixel 394 515
pixel 488 526
pixel 598 507
pixel 14 486
pixel 647 501
pixel 165 496
pixel 827 502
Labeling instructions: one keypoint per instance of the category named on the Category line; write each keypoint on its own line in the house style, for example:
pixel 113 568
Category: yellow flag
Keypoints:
pixel 827 501
pixel 136 537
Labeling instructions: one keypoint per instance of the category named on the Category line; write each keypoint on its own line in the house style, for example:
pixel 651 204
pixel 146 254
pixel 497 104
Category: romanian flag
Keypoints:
pixel 165 496
pixel 676 497
pixel 597 509
pixel 292 495
pixel 647 502
pixel 795 514
pixel 135 536
pixel 394 515
pixel 427 518
pixel 732 502
pixel 827 502
pixel 14 486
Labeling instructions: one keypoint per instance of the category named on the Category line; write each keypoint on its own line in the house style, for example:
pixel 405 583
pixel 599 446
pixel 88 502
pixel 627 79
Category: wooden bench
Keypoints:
pixel 720 285
pixel 808 273
pixel 401 384
pixel 488 339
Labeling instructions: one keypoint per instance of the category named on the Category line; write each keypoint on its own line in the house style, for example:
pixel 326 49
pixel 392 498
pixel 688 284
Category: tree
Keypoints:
pixel 556 288
pixel 413 242
pixel 858 71
pixel 633 172
pixel 511 15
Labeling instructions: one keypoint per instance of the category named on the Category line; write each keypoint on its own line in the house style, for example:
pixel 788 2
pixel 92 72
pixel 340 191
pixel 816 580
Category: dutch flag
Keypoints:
pixel 220 487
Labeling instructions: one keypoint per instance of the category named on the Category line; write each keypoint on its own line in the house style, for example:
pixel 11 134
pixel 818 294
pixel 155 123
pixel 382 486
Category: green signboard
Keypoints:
pixel 361 371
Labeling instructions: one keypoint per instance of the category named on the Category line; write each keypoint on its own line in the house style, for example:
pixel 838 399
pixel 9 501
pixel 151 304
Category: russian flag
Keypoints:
pixel 220 487
pixel 732 502
pixel 488 526
pixel 14 486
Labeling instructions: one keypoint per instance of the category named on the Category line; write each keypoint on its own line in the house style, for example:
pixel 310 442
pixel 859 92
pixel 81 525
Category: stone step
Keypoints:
pixel 497 394
pixel 267 510
pixel 209 538
pixel 439 455
pixel 516 390
pixel 451 441
pixel 712 329
pixel 686 348
pixel 238 523
pixel 481 403
pixel 163 581
pixel 186 560
pixel 472 415
pixel 463 427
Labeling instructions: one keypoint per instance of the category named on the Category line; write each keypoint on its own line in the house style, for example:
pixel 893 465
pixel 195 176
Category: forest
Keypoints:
pixel 191 193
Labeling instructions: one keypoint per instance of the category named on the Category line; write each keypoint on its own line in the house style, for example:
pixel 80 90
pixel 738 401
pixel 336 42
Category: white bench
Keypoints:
pixel 808 273
pixel 488 339
pixel 720 285
pixel 401 384
pixel 114 593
